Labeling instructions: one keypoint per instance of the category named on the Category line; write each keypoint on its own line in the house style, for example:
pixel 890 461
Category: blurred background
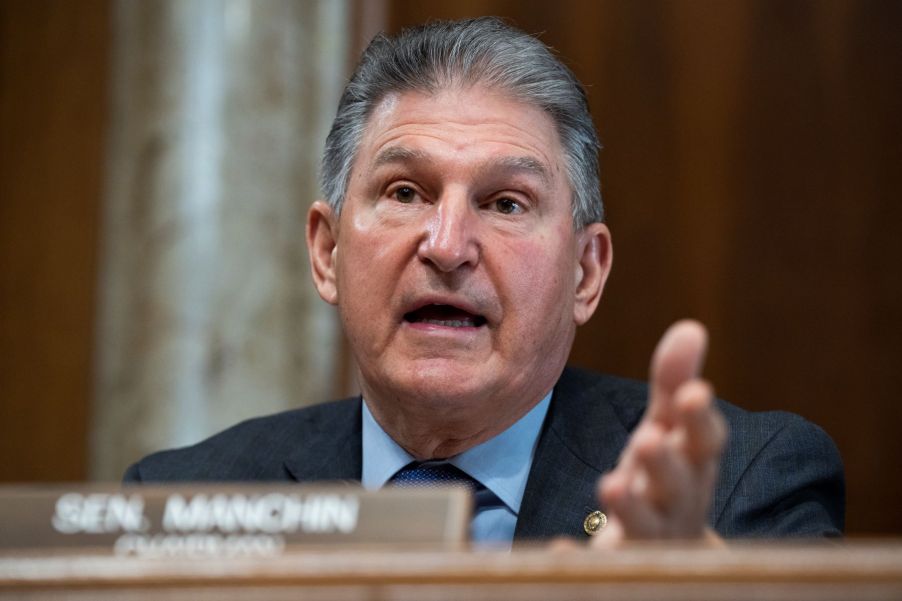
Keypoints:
pixel 157 160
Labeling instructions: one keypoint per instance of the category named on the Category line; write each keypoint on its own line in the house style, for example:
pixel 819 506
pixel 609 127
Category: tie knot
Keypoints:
pixel 431 475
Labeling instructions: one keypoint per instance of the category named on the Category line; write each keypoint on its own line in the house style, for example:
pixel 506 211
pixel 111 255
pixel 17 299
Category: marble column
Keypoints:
pixel 218 115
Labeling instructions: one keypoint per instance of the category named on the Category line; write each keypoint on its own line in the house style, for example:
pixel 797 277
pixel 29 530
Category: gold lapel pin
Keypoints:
pixel 595 523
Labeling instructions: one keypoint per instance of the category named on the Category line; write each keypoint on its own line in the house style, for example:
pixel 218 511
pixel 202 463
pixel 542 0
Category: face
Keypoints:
pixel 455 266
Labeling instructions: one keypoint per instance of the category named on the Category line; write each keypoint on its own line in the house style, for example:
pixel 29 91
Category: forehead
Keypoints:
pixel 463 121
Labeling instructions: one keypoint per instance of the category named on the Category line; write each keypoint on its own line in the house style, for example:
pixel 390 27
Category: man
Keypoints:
pixel 462 241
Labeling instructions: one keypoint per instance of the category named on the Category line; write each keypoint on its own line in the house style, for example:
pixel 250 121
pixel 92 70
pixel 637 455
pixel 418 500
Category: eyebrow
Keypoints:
pixel 399 154
pixel 402 154
pixel 523 163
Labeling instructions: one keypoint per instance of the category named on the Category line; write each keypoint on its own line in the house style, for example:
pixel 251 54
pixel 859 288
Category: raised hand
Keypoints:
pixel 662 486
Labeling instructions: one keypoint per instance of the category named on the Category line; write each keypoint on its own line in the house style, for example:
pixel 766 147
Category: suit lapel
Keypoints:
pixel 582 438
pixel 587 426
pixel 330 447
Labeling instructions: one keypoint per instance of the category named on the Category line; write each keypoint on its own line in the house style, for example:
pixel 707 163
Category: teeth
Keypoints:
pixel 450 323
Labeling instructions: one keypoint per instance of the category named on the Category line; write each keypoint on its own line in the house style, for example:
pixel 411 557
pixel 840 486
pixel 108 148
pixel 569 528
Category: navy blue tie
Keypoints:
pixel 432 475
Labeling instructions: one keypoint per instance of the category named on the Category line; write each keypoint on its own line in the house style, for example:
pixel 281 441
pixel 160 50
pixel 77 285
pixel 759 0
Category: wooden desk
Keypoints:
pixel 848 572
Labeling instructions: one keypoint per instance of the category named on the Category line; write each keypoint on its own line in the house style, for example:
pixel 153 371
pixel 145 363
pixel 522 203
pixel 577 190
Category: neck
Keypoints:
pixel 431 439
pixel 437 435
pixel 436 422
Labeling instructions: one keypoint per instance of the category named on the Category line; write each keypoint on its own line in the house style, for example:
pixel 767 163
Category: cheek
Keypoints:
pixel 377 240
pixel 365 250
pixel 369 264
pixel 540 281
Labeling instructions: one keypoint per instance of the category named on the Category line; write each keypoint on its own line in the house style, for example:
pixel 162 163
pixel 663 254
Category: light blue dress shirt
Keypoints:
pixel 501 464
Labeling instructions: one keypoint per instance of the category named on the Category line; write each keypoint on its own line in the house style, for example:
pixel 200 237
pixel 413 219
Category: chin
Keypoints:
pixel 443 384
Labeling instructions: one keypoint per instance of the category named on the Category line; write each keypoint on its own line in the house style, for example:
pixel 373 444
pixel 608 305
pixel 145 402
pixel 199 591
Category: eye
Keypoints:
pixel 508 206
pixel 404 194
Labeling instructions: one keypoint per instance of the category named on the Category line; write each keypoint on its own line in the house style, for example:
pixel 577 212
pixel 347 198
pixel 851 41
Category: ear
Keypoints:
pixel 595 255
pixel 322 246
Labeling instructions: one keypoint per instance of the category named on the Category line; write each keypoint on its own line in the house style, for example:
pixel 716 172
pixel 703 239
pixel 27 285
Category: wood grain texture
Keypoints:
pixel 53 95
pixel 863 571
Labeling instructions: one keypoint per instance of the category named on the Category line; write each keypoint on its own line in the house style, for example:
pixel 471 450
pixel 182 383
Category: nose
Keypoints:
pixel 450 240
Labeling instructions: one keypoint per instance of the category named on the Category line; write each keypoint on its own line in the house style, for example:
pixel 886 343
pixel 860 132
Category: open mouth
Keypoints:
pixel 447 316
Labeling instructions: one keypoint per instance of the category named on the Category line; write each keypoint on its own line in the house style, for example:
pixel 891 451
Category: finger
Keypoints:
pixel 627 456
pixel 636 517
pixel 678 358
pixel 621 492
pixel 616 482
pixel 611 537
pixel 563 544
pixel 671 483
pixel 613 486
pixel 705 426
pixel 658 471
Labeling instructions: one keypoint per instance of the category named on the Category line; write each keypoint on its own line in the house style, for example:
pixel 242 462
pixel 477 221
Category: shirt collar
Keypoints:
pixel 501 463
pixel 382 456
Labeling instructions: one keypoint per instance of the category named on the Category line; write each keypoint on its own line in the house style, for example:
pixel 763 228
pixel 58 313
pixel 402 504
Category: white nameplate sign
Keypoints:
pixel 227 520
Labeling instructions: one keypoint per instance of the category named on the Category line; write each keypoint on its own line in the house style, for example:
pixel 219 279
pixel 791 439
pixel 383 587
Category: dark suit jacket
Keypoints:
pixel 780 475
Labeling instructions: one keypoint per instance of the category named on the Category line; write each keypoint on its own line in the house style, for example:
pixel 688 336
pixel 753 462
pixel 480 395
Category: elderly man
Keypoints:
pixel 461 239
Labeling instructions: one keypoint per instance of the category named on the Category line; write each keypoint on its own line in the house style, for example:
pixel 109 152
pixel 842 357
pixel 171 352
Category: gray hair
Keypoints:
pixel 476 51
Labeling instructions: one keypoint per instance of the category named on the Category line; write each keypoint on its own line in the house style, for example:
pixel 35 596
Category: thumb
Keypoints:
pixel 678 358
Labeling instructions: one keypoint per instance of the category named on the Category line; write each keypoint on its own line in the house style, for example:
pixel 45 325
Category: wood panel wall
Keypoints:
pixel 53 96
pixel 752 171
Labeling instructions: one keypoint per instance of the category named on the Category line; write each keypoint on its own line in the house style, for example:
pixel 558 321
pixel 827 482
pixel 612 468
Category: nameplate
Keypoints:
pixel 227 521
